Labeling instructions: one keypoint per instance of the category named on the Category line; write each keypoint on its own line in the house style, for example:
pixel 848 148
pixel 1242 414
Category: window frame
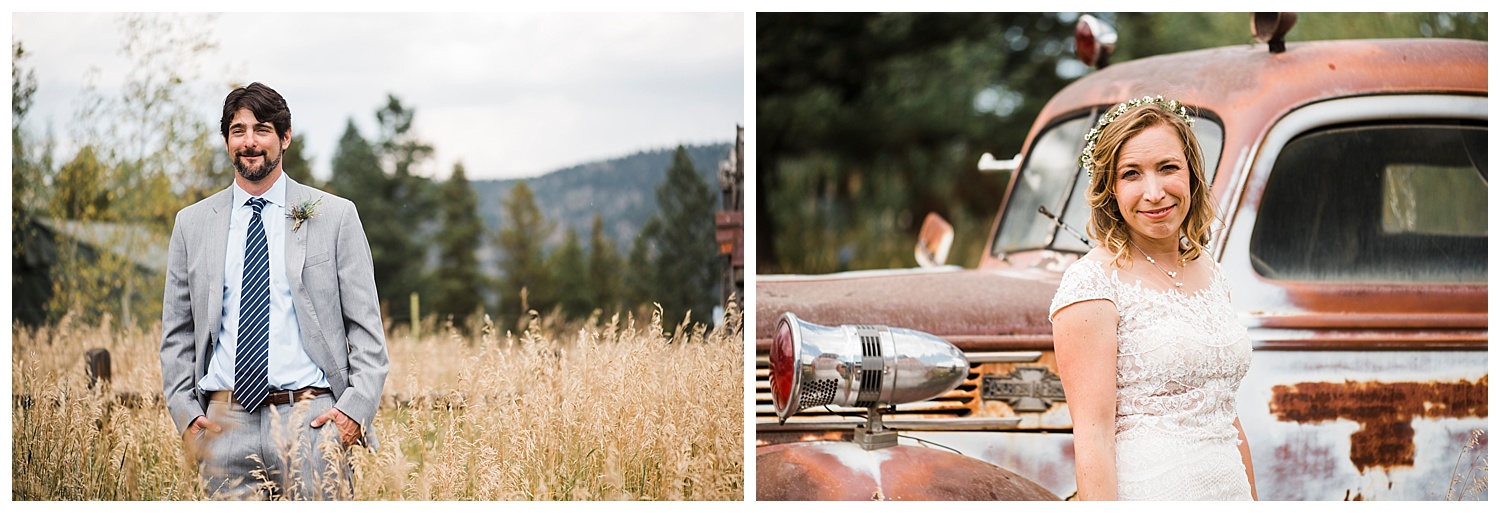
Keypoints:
pixel 1376 109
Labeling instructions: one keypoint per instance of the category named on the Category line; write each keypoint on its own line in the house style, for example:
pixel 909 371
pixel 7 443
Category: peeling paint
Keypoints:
pixel 1384 412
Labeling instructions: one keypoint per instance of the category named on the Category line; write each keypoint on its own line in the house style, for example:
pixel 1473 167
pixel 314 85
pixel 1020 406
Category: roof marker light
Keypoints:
pixel 1271 28
pixel 1093 41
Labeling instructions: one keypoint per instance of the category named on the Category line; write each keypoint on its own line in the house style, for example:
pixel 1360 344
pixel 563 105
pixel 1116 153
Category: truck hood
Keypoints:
pixel 974 309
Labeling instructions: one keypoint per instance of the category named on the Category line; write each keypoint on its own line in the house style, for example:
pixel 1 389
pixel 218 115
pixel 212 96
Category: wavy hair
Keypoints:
pixel 1106 224
pixel 267 105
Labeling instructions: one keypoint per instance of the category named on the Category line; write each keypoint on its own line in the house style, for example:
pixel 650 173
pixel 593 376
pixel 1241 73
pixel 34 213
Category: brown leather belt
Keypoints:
pixel 274 397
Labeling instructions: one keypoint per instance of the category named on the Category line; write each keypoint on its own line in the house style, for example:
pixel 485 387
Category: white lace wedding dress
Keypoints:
pixel 1181 359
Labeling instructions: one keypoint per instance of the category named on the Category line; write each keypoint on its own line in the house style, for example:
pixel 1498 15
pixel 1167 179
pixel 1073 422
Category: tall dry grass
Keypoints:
pixel 599 409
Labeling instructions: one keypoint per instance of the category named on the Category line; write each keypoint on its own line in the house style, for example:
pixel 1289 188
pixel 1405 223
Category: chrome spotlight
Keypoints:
pixel 859 366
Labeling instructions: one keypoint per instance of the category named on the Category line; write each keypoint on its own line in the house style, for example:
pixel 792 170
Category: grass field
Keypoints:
pixel 613 409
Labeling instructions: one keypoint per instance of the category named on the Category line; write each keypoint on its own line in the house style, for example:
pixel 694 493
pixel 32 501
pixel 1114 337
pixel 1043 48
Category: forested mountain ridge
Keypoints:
pixel 621 190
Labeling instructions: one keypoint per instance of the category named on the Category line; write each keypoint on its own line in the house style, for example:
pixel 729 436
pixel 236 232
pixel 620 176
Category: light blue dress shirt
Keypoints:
pixel 289 366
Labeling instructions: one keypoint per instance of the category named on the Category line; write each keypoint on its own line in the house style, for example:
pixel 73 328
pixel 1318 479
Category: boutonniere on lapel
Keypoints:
pixel 302 212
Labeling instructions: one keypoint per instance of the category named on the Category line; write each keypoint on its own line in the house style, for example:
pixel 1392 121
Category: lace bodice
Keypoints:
pixel 1181 359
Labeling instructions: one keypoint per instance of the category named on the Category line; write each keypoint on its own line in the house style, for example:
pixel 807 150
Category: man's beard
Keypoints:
pixel 258 174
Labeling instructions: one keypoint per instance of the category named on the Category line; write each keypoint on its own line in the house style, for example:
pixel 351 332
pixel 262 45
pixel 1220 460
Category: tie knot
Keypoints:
pixel 257 204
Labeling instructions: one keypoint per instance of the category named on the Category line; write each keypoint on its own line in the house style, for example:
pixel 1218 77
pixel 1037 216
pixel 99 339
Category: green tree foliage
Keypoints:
pixel 1147 34
pixel 570 278
pixel 413 199
pixel 641 273
pixel 295 162
pixel 523 261
pixel 395 205
pixel 356 175
pixel 26 179
pixel 605 268
pixel 31 286
pixel 457 291
pixel 869 121
pixel 83 188
pixel 686 261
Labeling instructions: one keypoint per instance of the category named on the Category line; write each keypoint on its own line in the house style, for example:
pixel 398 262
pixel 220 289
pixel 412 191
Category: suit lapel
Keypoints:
pixel 216 240
pixel 296 255
pixel 296 241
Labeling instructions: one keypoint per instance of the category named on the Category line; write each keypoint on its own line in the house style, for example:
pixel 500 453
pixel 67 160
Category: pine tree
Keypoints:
pixel 640 276
pixel 356 176
pixel 356 170
pixel 296 163
pixel 458 281
pixel 605 272
pixel 687 261
pixel 410 195
pixel 523 261
pixel 570 277
pixel 395 206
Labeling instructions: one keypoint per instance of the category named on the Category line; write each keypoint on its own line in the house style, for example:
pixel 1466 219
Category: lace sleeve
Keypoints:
pixel 1083 281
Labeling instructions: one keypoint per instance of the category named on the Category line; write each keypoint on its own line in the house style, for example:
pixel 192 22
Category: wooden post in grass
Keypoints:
pixel 96 364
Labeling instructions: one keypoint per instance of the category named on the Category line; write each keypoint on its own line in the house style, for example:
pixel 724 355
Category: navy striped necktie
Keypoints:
pixel 250 384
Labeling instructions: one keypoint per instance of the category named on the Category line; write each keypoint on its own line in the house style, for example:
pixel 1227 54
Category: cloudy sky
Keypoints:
pixel 508 94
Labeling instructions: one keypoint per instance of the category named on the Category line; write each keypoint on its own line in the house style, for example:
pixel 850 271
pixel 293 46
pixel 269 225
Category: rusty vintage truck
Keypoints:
pixel 1351 181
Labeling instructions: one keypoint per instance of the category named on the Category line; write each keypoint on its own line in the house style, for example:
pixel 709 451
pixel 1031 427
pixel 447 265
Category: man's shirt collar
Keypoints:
pixel 276 195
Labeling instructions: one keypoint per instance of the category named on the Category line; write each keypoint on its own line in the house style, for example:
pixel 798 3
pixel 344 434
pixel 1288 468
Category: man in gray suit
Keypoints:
pixel 272 345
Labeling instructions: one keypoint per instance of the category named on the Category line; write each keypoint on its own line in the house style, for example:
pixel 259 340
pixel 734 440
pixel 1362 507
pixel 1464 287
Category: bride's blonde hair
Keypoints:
pixel 1106 224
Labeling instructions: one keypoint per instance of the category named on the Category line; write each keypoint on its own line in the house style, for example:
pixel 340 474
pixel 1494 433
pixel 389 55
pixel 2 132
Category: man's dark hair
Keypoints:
pixel 267 105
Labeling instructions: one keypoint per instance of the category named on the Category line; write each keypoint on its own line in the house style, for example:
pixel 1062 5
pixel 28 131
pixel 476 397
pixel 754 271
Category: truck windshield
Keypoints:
pixel 1050 177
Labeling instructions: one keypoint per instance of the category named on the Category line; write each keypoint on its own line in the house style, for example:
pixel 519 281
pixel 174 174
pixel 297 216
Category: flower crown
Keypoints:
pixel 1086 159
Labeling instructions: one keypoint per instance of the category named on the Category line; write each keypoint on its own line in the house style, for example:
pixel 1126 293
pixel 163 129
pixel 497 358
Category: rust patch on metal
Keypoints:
pixel 1384 412
pixel 842 471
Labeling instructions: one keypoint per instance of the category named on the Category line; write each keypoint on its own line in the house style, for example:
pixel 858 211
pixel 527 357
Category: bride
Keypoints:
pixel 1149 349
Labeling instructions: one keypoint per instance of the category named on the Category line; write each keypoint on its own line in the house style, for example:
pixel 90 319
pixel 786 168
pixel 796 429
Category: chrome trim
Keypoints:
pixel 1003 356
pixel 904 425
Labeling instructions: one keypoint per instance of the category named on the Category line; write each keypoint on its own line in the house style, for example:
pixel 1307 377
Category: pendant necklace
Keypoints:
pixel 1171 276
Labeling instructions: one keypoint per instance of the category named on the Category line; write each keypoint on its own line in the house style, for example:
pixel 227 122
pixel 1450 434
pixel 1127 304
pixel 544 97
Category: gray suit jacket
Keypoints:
pixel 333 290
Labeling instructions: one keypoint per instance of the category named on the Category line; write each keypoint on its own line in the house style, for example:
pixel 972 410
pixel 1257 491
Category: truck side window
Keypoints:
pixel 1377 203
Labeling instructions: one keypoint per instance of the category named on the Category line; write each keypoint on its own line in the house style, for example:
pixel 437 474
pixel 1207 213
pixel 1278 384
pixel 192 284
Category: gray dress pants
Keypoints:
pixel 272 453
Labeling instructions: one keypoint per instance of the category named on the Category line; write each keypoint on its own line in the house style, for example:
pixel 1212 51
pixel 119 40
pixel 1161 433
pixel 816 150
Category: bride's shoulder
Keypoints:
pixel 1092 266
pixel 1097 258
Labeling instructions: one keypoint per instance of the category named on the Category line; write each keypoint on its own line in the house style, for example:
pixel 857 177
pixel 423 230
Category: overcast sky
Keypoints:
pixel 508 94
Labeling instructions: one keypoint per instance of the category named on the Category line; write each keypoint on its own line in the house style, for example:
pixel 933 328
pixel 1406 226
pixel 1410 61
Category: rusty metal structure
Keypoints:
pixel 840 471
pixel 729 223
pixel 1364 383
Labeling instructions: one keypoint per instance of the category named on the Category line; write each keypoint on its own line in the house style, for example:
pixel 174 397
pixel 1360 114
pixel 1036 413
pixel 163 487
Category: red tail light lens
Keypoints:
pixel 1085 47
pixel 783 366
pixel 1093 41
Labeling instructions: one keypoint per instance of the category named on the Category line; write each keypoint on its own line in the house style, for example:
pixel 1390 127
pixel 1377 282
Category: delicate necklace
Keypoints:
pixel 1171 276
